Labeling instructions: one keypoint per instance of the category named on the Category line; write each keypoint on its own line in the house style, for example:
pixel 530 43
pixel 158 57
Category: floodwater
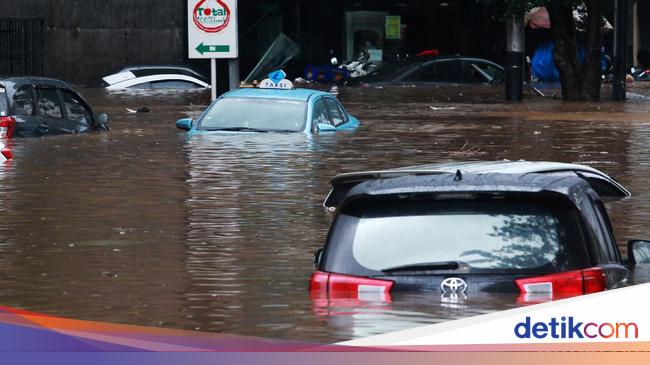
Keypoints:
pixel 217 233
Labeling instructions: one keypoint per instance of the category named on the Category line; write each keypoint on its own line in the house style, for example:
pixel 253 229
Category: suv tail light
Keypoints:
pixel 7 153
pixel 337 283
pixel 565 284
pixel 7 127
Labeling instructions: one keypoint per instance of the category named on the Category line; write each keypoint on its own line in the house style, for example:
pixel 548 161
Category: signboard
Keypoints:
pixel 212 29
pixel 393 27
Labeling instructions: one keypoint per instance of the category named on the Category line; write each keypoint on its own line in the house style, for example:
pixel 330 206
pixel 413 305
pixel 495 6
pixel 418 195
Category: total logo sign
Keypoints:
pixel 211 19
pixel 212 28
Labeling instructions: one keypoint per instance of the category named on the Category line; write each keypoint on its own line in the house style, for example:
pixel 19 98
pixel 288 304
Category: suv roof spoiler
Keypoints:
pixel 608 188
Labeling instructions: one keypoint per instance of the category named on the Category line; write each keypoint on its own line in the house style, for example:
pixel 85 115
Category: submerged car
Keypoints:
pixel 37 106
pixel 641 75
pixel 534 229
pixel 436 70
pixel 272 110
pixel 156 77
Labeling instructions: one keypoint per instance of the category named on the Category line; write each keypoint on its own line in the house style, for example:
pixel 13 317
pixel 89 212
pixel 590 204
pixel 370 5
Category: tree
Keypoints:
pixel 580 80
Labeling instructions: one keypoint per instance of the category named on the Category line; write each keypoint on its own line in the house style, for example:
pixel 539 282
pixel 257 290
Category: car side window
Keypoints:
pixel 428 73
pixel 48 103
pixel 449 71
pixel 144 85
pixel 76 109
pixel 493 73
pixel 424 73
pixel 474 73
pixel 319 115
pixel 174 84
pixel 24 101
pixel 337 115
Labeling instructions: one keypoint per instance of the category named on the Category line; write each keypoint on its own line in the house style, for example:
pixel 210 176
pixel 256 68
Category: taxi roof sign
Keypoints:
pixel 277 76
pixel 277 80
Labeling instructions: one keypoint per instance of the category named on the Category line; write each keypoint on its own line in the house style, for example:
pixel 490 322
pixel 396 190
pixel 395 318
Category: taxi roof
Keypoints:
pixel 293 94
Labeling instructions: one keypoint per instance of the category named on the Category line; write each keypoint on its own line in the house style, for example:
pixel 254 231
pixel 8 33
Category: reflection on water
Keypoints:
pixel 142 226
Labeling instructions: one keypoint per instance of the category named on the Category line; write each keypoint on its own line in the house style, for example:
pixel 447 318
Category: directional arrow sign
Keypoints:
pixel 203 48
pixel 212 29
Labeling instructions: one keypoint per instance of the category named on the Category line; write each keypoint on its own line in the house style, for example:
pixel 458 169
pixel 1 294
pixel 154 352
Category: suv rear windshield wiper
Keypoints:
pixel 427 266
pixel 238 129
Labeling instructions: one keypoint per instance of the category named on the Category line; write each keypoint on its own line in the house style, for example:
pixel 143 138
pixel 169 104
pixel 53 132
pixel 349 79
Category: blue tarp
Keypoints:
pixel 543 62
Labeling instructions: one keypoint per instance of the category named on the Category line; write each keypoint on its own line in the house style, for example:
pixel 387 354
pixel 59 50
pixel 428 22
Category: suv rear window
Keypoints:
pixel 3 102
pixel 486 235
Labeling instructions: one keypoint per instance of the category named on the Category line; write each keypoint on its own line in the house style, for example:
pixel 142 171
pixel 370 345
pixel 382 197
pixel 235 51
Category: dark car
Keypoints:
pixel 436 70
pixel 538 229
pixel 36 106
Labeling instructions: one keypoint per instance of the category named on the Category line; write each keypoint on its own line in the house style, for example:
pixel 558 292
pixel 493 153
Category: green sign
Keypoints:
pixel 203 48
pixel 393 27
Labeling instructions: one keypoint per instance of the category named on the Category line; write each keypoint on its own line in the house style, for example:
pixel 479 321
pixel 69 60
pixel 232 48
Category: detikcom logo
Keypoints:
pixel 211 16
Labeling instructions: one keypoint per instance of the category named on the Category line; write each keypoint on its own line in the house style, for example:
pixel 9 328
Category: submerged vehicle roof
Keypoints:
pixel 18 81
pixel 292 94
pixel 482 176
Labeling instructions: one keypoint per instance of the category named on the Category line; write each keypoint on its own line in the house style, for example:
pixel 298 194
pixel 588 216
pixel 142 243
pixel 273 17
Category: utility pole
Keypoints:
pixel 515 60
pixel 619 86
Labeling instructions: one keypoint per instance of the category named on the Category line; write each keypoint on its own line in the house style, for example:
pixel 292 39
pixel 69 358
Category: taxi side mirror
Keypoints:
pixel 101 119
pixel 184 124
pixel 638 252
pixel 324 127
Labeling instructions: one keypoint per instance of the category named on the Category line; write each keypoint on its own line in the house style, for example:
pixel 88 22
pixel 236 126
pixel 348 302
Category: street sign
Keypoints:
pixel 212 29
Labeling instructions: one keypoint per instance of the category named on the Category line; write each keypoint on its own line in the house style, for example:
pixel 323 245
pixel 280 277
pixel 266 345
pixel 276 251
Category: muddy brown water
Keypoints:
pixel 216 233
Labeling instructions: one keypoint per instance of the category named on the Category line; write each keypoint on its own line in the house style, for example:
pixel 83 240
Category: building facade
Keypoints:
pixel 80 40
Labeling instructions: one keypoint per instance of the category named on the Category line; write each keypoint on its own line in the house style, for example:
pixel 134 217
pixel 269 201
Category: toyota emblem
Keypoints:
pixel 453 286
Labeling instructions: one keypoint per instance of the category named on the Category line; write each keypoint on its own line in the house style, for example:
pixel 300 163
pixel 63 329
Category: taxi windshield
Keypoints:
pixel 255 114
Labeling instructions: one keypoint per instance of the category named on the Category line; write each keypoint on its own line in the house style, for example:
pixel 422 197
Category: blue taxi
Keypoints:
pixel 272 107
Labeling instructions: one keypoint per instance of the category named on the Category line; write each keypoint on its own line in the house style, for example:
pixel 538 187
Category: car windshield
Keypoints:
pixel 255 114
pixel 487 235
pixel 493 72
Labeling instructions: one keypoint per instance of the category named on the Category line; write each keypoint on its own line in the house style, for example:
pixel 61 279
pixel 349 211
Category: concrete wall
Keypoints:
pixel 87 39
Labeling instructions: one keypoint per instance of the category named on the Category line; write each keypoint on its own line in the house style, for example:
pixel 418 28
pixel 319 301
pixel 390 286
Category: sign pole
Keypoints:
pixel 213 77
pixel 212 33
pixel 233 73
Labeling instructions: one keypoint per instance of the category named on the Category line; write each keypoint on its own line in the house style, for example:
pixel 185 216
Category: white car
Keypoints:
pixel 157 78
pixel 5 153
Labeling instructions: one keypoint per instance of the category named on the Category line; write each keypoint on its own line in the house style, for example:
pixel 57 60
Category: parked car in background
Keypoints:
pixel 156 77
pixel 539 229
pixel 5 153
pixel 37 106
pixel 435 70
pixel 641 75
pixel 272 109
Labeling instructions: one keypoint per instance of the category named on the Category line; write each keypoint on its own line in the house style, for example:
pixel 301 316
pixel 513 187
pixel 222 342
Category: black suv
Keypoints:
pixel 537 228
pixel 36 106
